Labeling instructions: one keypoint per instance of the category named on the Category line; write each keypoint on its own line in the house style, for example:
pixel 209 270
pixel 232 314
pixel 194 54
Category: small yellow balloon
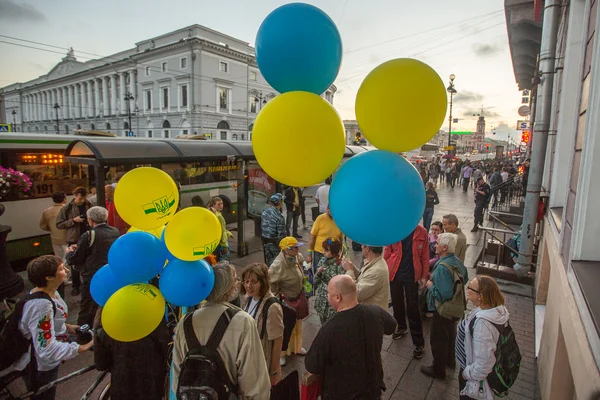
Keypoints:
pixel 156 232
pixel 401 105
pixel 298 139
pixel 146 198
pixel 193 234
pixel 133 312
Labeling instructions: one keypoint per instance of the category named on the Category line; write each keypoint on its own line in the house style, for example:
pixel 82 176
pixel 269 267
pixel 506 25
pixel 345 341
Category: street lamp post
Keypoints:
pixel 128 98
pixel 450 89
pixel 14 114
pixel 56 107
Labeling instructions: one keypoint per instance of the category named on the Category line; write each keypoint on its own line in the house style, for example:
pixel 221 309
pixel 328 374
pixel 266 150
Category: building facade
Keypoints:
pixel 188 82
pixel 568 265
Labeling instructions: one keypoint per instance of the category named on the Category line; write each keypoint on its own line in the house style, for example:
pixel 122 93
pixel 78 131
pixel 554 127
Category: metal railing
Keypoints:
pixel 501 243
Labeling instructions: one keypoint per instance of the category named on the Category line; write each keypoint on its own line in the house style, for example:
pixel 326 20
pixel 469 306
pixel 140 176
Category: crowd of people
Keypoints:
pixel 252 325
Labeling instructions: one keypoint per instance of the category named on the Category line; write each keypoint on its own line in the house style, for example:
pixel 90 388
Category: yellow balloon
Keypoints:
pixel 298 139
pixel 146 198
pixel 133 312
pixel 401 104
pixel 156 232
pixel 193 234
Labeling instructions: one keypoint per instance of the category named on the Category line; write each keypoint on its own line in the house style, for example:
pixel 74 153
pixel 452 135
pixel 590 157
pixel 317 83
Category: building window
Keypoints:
pixel 185 131
pixel 223 125
pixel 223 135
pixel 184 96
pixel 165 98
pixel 164 67
pixel 183 63
pixel 147 70
pixel 149 134
pixel 234 136
pixel 148 100
pixel 223 66
pixel 252 75
pixel 223 100
pixel 166 126
pixel 253 103
pixel 166 134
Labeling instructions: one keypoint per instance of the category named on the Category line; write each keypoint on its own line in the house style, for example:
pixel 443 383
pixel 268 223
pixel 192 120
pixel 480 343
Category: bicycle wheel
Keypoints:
pixel 105 395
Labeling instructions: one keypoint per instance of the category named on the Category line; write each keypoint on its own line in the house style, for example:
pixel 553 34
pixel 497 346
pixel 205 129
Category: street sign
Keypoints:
pixel 522 124
pixel 130 134
pixel 524 111
pixel 5 128
pixel 447 148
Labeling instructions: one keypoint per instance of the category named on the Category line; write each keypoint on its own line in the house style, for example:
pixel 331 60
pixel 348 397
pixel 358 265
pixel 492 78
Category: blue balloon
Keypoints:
pixel 298 47
pixel 136 257
pixel 186 283
pixel 104 284
pixel 377 198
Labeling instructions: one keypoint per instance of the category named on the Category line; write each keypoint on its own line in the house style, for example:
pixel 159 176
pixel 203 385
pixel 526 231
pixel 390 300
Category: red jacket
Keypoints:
pixel 420 249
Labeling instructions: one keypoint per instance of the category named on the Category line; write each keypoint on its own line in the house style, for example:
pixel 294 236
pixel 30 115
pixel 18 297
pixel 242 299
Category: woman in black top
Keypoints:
pixel 431 199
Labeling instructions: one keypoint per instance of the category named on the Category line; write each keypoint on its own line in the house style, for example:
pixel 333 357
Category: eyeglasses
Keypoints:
pixel 473 290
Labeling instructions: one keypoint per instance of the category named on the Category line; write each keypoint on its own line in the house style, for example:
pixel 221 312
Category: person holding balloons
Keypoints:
pixel 222 252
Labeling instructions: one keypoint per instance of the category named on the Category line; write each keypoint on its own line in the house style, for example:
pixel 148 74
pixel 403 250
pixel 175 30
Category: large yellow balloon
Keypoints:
pixel 146 198
pixel 133 312
pixel 156 232
pixel 193 233
pixel 401 104
pixel 298 139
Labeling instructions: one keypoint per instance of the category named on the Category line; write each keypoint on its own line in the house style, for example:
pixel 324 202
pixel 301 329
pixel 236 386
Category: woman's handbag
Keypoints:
pixel 300 304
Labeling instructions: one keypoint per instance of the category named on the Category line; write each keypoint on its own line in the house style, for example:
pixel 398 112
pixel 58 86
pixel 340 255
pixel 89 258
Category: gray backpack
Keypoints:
pixel 454 308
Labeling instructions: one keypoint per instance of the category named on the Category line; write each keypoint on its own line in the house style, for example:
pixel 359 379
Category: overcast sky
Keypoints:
pixel 465 37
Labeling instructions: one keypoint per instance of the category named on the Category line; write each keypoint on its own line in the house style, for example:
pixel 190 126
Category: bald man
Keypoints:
pixel 347 349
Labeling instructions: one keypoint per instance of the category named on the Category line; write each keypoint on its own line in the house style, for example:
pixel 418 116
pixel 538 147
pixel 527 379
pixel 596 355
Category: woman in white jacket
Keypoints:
pixel 475 351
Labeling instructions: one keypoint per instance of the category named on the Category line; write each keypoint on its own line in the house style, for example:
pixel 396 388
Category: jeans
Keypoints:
pixel 466 184
pixel 478 214
pixel 443 342
pixel 411 290
pixel 38 379
pixel 427 217
pixel 291 216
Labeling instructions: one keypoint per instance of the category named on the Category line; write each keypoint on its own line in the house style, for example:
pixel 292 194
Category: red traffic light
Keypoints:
pixel 525 137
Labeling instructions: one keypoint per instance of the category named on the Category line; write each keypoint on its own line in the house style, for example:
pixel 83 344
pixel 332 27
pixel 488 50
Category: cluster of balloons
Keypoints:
pixel 161 242
pixel 400 106
pixel 298 137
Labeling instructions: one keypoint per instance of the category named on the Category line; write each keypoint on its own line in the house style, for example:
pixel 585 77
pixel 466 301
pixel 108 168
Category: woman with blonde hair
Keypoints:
pixel 257 292
pixel 477 337
pixel 215 204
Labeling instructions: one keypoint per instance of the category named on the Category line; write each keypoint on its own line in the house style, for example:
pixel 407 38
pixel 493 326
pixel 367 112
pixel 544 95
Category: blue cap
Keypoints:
pixel 276 198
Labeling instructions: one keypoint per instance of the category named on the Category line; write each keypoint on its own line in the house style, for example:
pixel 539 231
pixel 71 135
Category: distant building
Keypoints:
pixel 351 129
pixel 190 81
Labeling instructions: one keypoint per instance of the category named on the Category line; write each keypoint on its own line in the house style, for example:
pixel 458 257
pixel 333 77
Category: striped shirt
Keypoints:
pixel 461 354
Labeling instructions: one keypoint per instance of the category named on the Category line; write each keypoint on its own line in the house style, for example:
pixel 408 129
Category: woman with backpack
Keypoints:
pixel 477 337
pixel 329 266
pixel 40 318
pixel 268 314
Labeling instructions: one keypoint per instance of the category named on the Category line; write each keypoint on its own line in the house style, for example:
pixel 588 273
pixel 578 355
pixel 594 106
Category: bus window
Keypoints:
pixel 260 188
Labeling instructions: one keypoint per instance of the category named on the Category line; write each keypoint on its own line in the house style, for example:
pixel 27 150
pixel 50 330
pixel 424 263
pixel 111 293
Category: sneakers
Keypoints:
pixel 418 352
pixel 399 333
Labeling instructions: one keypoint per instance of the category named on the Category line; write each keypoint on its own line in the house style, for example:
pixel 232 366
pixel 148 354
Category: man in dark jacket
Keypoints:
pixel 91 254
pixel 495 181
pixel 72 217
pixel 293 198
pixel 482 194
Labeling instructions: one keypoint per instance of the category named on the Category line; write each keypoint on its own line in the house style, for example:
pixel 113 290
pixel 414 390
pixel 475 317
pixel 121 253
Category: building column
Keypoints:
pixel 47 105
pixel 82 100
pixel 90 100
pixel 52 101
pixel 96 97
pixel 71 102
pixel 122 91
pixel 35 106
pixel 113 94
pixel 65 106
pixel 77 113
pixel 132 86
pixel 43 105
pixel 105 109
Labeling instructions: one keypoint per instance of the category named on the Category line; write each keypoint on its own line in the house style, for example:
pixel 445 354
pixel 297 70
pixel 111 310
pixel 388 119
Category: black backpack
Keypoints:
pixel 12 342
pixel 508 360
pixel 289 320
pixel 203 375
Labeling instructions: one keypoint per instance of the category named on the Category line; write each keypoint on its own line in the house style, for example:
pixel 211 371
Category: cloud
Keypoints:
pixel 466 96
pixel 13 12
pixel 470 111
pixel 502 126
pixel 487 50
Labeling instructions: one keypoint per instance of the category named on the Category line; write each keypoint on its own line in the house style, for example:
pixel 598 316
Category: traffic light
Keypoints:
pixel 487 147
pixel 525 137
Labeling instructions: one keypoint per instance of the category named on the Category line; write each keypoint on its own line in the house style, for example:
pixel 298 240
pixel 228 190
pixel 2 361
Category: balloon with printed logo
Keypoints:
pixel 136 257
pixel 156 232
pixel 193 233
pixel 133 312
pixel 104 284
pixel 146 198
pixel 186 283
pixel 396 184
pixel 298 47
pixel 401 105
pixel 298 154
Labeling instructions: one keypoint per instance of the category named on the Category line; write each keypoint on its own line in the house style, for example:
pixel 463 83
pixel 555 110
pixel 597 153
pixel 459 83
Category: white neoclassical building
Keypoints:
pixel 187 82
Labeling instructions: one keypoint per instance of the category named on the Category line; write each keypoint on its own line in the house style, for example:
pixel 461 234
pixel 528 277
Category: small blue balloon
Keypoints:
pixel 136 257
pixel 298 47
pixel 389 186
pixel 186 283
pixel 104 284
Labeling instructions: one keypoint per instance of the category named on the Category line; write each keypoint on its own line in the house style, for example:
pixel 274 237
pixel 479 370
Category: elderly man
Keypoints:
pixel 372 281
pixel 237 342
pixel 450 223
pixel 272 227
pixel 347 349
pixel 48 223
pixel 90 254
pixel 448 279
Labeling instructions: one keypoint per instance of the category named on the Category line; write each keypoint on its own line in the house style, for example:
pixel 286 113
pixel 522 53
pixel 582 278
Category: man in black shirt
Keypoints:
pixel 347 349
pixel 482 194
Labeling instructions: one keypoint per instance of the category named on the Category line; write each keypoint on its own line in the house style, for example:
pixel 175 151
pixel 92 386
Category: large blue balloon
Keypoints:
pixel 186 283
pixel 298 47
pixel 377 198
pixel 136 257
pixel 104 284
